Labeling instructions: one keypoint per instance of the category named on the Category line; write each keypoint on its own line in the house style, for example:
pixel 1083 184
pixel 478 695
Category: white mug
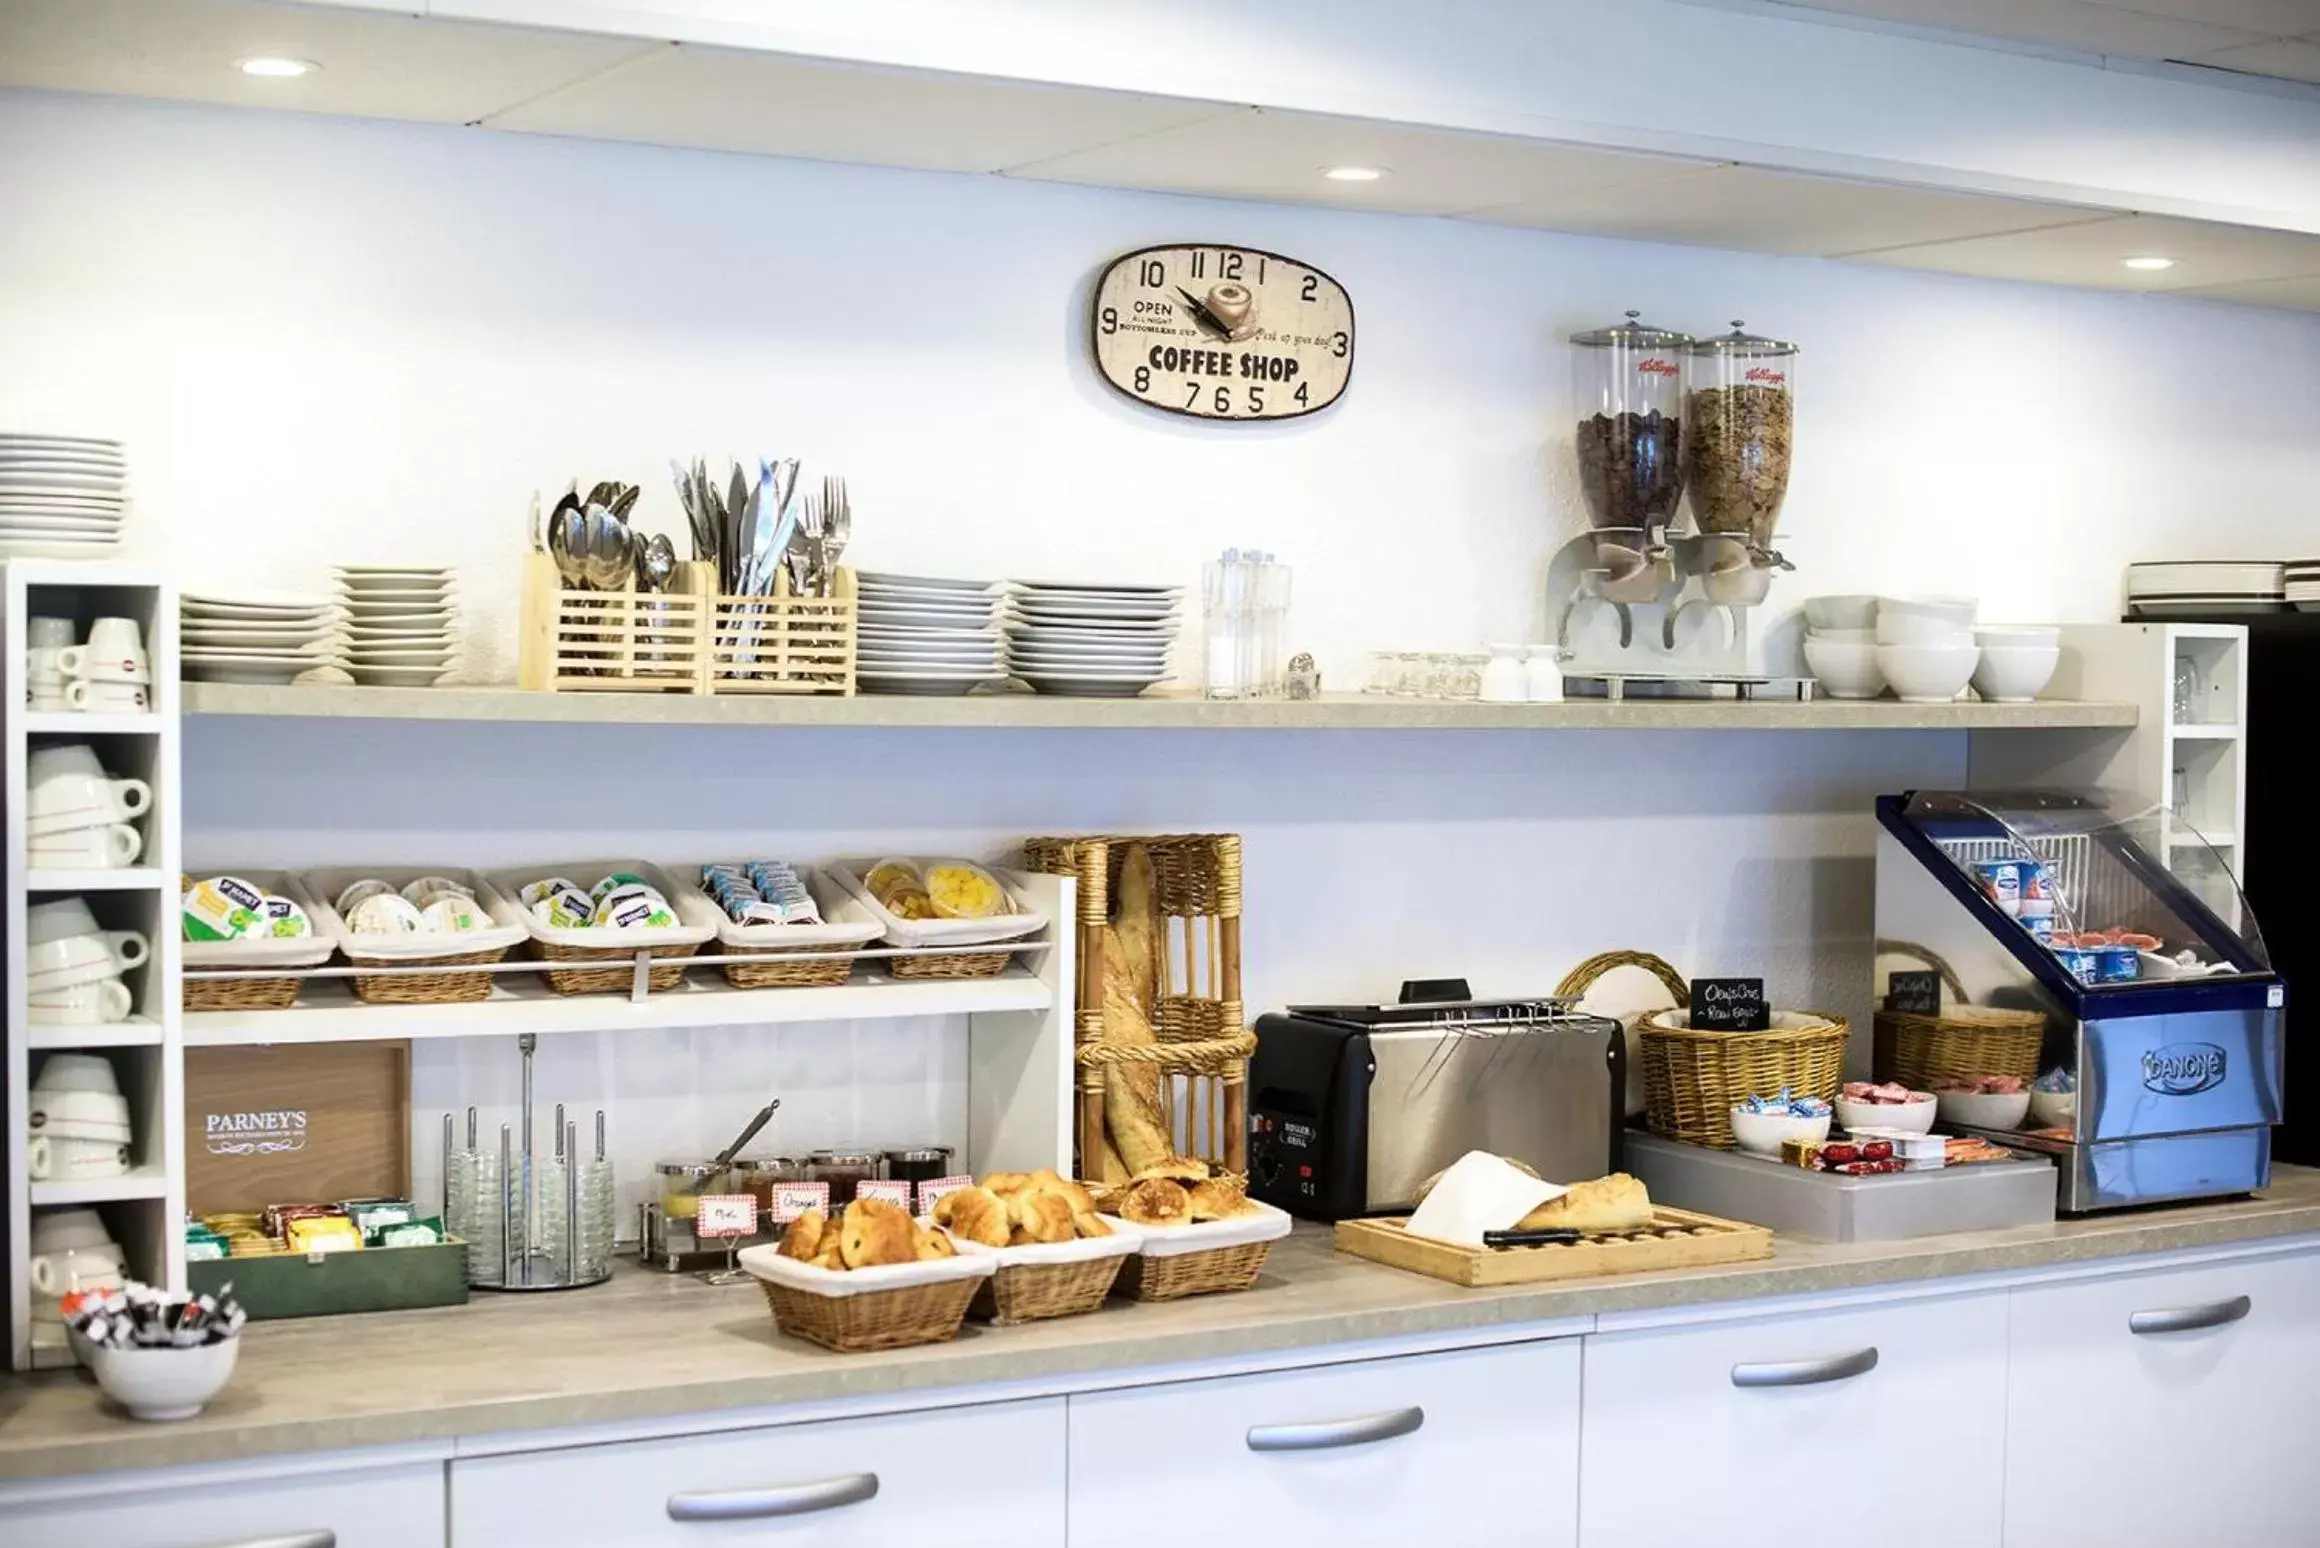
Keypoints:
pixel 56 1229
pixel 41 669
pixel 100 698
pixel 98 1004
pixel 75 1268
pixel 77 1072
pixel 54 921
pixel 77 800
pixel 105 847
pixel 73 1160
pixel 62 758
pixel 40 700
pixel 44 633
pixel 121 664
pixel 68 959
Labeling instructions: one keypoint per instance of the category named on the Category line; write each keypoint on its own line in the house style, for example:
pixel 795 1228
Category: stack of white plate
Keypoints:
pixel 257 636
pixel 926 634
pixel 1091 638
pixel 2205 588
pixel 2304 585
pixel 401 623
pixel 61 496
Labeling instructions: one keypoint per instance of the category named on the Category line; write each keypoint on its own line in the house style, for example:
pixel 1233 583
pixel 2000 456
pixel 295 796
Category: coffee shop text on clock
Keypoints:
pixel 1229 333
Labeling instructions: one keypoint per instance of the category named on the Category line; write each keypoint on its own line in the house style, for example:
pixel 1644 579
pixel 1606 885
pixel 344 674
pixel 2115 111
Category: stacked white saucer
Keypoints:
pixel 61 496
pixel 250 636
pixel 402 623
pixel 2303 585
pixel 1091 639
pixel 926 634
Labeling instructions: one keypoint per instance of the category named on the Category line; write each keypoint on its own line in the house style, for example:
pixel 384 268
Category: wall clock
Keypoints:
pixel 1216 332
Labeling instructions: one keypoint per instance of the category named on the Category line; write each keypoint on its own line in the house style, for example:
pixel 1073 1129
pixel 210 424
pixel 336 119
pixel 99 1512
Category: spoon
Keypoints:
pixel 660 562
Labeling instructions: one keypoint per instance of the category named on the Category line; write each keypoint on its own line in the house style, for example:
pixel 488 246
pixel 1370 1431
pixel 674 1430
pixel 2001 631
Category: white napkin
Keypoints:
pixel 1479 1193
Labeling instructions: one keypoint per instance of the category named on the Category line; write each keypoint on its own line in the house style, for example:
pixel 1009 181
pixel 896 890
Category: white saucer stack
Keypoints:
pixel 61 496
pixel 926 634
pixel 257 636
pixel 2206 588
pixel 1090 639
pixel 402 623
pixel 2304 585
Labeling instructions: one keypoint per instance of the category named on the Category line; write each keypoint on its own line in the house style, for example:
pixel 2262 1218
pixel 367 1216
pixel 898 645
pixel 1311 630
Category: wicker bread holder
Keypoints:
pixel 1205 1258
pixel 1022 920
pixel 870 1308
pixel 846 926
pixel 1051 1279
pixel 1204 1044
pixel 1692 1080
pixel 249 994
pixel 667 946
pixel 411 988
pixel 1963 1042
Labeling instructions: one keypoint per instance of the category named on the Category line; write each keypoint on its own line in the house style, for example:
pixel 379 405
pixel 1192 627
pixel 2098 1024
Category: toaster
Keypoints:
pixel 1353 1107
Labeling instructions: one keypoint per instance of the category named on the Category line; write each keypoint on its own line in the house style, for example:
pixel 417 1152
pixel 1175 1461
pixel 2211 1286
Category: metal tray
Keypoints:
pixel 1794 1202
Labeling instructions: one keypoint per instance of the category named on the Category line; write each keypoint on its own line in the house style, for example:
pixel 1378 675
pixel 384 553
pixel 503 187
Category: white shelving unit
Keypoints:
pixel 143 1208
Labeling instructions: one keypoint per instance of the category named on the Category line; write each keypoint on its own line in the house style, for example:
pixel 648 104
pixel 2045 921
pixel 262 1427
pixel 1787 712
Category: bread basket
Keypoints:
pixel 773 948
pixel 1051 1279
pixel 1022 920
pixel 268 993
pixel 1203 1258
pixel 488 944
pixel 856 1310
pixel 667 945
pixel 1960 1042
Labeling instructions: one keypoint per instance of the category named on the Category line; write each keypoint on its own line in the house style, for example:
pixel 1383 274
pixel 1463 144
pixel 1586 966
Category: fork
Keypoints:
pixel 837 528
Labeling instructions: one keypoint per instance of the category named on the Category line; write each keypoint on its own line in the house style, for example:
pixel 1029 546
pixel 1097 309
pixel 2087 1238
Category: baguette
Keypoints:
pixel 1601 1204
pixel 1130 968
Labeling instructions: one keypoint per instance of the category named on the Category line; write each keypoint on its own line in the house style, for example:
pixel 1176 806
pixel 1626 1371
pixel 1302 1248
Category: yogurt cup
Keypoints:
pixel 2002 882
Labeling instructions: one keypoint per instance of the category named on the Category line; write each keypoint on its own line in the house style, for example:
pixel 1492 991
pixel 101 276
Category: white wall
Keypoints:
pixel 332 341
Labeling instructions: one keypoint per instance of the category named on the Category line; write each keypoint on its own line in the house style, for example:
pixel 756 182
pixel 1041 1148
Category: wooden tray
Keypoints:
pixel 1677 1238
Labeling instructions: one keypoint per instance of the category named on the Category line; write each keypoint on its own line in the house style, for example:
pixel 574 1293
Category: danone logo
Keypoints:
pixel 254 1134
pixel 2183 1069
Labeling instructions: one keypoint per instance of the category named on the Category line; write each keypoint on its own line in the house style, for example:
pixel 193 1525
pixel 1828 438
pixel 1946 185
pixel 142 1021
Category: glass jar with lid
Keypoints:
pixel 1627 382
pixel 682 1183
pixel 843 1170
pixel 1739 423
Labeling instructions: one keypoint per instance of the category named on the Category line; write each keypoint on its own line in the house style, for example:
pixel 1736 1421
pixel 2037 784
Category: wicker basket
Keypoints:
pixel 1962 1043
pixel 1204 1044
pixel 239 994
pixel 1693 1080
pixel 667 973
pixel 1193 1273
pixel 424 988
pixel 883 1319
pixel 772 972
pixel 977 964
pixel 1032 1292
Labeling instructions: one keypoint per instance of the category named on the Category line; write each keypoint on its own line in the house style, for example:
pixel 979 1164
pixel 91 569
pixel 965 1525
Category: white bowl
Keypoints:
pixel 1847 669
pixel 2014 674
pixel 1763 1133
pixel 2017 634
pixel 1921 629
pixel 1957 610
pixel 1825 613
pixel 1915 1117
pixel 163 1383
pixel 2054 1109
pixel 1927 674
pixel 1985 1111
pixel 1866 636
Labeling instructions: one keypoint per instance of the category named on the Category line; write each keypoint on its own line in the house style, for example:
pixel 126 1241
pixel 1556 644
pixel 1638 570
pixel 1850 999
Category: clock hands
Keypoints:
pixel 1203 316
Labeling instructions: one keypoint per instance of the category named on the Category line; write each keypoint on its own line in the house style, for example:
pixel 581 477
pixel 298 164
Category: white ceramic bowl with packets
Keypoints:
pixel 162 1383
pixel 1762 1134
pixel 1914 1116
pixel 1985 1109
pixel 1016 920
pixel 847 924
pixel 221 900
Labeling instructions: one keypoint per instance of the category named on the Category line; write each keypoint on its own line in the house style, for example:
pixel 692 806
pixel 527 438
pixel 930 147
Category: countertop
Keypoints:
pixel 648 1346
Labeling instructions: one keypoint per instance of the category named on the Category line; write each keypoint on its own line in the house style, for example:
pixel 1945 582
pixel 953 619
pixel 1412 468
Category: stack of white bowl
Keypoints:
pixel 1925 646
pixel 1840 646
pixel 2017 661
pixel 78 1122
pixel 402 623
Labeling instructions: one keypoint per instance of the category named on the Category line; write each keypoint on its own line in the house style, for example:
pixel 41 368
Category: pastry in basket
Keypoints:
pixel 1220 1198
pixel 872 1233
pixel 977 1214
pixel 1016 1209
pixel 1039 1217
pixel 1183 1169
pixel 1156 1201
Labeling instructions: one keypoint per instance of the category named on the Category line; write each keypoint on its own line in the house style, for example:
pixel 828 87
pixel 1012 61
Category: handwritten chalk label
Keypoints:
pixel 791 1200
pixel 1918 994
pixel 1730 1005
pixel 726 1214
pixel 935 1187
pixel 891 1192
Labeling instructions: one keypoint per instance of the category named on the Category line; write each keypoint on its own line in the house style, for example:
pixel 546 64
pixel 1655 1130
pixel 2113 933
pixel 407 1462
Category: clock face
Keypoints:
pixel 1223 332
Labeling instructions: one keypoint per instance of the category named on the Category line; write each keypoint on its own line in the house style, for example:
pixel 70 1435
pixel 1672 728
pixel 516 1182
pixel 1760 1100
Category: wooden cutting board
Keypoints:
pixel 1676 1238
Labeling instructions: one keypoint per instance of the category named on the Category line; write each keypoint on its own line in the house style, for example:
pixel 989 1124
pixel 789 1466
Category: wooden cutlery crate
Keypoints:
pixel 688 639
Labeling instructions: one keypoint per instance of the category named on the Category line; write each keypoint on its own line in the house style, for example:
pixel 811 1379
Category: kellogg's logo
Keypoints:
pixel 1652 365
pixel 2183 1069
pixel 1764 374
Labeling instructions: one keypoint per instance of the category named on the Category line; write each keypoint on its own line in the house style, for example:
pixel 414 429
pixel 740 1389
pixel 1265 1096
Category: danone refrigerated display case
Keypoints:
pixel 2163 1013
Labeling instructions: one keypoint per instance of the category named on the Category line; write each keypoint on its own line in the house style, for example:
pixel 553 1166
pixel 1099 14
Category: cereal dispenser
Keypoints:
pixel 1627 386
pixel 1740 420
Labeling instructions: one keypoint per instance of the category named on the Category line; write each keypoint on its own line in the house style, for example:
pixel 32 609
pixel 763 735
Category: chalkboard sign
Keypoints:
pixel 1730 1005
pixel 1918 994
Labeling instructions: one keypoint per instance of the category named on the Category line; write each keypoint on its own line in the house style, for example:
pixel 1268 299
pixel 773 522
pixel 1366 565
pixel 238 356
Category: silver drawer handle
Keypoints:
pixel 2190 1319
pixel 783 1500
pixel 1806 1373
pixel 325 1538
pixel 1332 1433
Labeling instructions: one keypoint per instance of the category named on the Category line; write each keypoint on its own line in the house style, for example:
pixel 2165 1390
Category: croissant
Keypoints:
pixel 874 1232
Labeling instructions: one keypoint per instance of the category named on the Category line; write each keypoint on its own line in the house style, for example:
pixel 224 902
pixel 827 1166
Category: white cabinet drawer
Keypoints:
pixel 387 1507
pixel 1475 1447
pixel 969 1477
pixel 1729 1433
pixel 2165 1408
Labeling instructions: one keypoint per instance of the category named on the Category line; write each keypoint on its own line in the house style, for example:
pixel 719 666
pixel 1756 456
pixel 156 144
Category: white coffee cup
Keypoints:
pixel 114 654
pixel 69 959
pixel 55 1230
pixel 98 1004
pixel 78 1114
pixel 71 1268
pixel 41 700
pixel 54 921
pixel 76 1072
pixel 47 633
pixel 105 847
pixel 73 1160
pixel 62 758
pixel 97 698
pixel 76 800
pixel 41 670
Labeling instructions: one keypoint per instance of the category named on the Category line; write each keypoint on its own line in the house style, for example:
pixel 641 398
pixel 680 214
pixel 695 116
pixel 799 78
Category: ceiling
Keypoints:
pixel 2276 38
pixel 382 64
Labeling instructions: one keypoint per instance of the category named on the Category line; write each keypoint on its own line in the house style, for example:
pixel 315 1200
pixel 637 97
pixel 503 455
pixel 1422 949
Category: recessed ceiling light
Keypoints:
pixel 1352 174
pixel 2151 264
pixel 276 67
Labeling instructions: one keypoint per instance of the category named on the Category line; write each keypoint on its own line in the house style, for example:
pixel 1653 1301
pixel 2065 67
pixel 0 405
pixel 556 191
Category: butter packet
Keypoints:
pixel 633 907
pixel 223 908
pixel 324 1233
pixel 283 919
pixel 407 1233
pixel 369 1215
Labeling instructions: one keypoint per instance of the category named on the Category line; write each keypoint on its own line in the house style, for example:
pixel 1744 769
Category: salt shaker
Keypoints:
pixel 1543 675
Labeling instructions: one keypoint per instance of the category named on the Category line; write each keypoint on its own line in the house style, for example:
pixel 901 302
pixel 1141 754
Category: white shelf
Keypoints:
pixel 328 1012
pixel 1032 712
pixel 2217 840
pixel 73 722
pixel 136 1032
pixel 2204 733
pixel 144 1182
pixel 126 878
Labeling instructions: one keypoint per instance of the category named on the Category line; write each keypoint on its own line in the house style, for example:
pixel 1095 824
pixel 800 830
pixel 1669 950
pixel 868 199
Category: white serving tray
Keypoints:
pixel 766 1262
pixel 1263 1223
pixel 328 884
pixel 1026 920
pixel 502 889
pixel 846 921
pixel 305 951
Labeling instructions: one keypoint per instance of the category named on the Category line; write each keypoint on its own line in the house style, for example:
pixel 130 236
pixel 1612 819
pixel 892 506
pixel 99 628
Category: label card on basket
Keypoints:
pixel 1916 993
pixel 726 1214
pixel 891 1192
pixel 793 1199
pixel 1730 1005
pixel 935 1187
